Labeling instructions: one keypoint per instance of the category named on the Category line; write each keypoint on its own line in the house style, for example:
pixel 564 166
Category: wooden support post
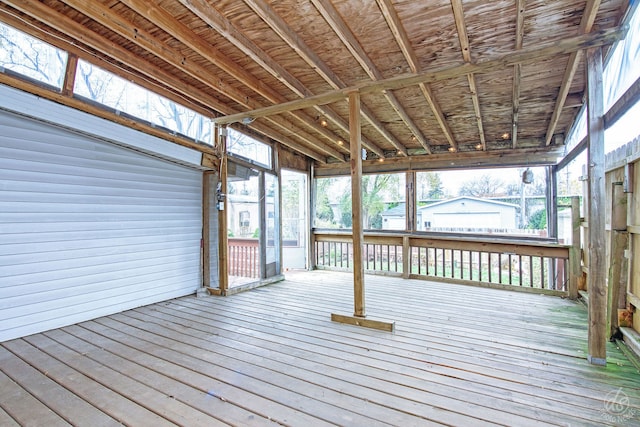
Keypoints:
pixel 209 208
pixel 617 262
pixel 359 314
pixel 596 279
pixel 410 196
pixel 356 203
pixel 406 257
pixel 575 267
pixel 223 247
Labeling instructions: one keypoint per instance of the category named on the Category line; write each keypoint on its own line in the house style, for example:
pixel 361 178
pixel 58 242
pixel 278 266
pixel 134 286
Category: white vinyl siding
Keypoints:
pixel 89 228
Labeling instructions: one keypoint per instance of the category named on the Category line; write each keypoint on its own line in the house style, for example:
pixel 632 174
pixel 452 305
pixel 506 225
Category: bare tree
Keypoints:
pixel 483 186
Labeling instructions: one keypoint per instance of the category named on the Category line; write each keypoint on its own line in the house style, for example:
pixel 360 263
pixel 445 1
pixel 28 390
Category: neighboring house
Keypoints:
pixel 467 212
pixel 395 218
pixel 244 215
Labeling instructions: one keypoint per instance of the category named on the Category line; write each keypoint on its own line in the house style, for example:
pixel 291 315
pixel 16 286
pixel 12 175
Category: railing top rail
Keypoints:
pixel 345 236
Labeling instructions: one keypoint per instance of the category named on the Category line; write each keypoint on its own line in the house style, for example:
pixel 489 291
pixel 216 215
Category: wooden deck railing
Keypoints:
pixel 243 257
pixel 503 263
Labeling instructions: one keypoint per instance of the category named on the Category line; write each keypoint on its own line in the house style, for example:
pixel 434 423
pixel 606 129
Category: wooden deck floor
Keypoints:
pixel 460 356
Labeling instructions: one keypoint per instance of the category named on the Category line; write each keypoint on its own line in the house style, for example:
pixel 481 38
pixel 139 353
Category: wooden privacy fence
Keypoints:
pixel 535 265
pixel 622 225
pixel 244 257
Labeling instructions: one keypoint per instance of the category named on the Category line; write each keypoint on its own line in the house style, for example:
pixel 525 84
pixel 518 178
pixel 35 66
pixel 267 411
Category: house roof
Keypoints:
pixel 399 210
pixel 462 198
pixel 462 81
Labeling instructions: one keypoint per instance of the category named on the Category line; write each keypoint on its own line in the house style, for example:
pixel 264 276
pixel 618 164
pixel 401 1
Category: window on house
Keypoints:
pixel 247 148
pixel 103 87
pixel 25 55
pixel 244 219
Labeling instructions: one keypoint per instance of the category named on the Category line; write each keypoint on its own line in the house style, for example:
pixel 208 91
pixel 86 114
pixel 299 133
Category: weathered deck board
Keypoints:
pixel 460 356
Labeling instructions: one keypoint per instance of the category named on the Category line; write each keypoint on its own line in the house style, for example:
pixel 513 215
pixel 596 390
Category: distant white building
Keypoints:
pixel 467 212
pixel 395 218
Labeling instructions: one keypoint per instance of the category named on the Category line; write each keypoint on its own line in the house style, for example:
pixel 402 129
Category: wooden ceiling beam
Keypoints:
pixel 342 30
pixel 461 26
pixel 181 32
pixel 156 77
pixel 525 55
pixel 107 17
pixel 586 23
pixel 280 27
pixel 222 25
pixel 543 156
pixel 402 39
pixel 169 85
pixel 517 73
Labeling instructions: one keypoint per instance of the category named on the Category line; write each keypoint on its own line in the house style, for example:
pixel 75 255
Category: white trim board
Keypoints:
pixel 26 104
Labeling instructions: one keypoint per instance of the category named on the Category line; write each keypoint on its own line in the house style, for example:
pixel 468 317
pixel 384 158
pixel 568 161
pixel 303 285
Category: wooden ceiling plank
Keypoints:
pixel 223 26
pixel 181 32
pixel 60 22
pixel 107 17
pixel 517 73
pixel 586 23
pixel 342 30
pixel 524 56
pixel 461 26
pixel 402 39
pixel 280 27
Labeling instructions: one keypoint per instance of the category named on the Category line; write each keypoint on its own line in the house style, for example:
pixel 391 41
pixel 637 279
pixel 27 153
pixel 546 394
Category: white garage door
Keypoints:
pixel 88 228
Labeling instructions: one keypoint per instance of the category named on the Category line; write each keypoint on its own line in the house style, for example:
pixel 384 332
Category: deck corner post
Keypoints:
pixel 596 279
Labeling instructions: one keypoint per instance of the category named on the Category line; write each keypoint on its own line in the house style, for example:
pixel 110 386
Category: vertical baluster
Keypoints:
pixel 542 278
pixel 520 270
pixel 530 271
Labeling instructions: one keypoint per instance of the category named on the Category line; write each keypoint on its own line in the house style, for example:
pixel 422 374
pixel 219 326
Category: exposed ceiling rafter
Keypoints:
pixel 461 26
pixel 278 25
pixel 525 55
pixel 586 23
pixel 342 30
pixel 393 20
pixel 517 73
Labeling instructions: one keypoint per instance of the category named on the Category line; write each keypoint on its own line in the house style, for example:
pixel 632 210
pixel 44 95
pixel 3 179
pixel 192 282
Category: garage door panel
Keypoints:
pixel 67 298
pixel 91 310
pixel 10 229
pixel 19 284
pixel 68 172
pixel 88 228
pixel 63 243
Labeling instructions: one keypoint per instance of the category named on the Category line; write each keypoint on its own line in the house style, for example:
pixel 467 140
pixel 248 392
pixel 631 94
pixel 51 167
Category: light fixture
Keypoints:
pixel 452 149
pixel 381 159
pixel 527 176
pixel 247 121
pixel 479 146
pixel 340 142
pixel 323 123
pixel 505 135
